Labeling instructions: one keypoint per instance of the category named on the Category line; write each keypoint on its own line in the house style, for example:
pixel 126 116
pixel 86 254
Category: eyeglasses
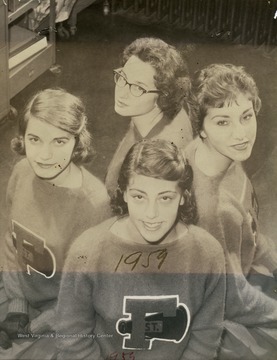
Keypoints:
pixel 135 90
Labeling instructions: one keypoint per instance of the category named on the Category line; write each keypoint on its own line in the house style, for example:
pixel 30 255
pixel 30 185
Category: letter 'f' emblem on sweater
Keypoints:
pixel 152 318
pixel 32 252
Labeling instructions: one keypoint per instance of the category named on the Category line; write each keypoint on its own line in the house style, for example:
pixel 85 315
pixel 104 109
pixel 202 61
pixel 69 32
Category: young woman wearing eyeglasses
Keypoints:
pixel 151 88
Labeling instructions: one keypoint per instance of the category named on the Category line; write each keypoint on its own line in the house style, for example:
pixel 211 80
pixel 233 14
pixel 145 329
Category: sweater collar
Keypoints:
pixel 154 131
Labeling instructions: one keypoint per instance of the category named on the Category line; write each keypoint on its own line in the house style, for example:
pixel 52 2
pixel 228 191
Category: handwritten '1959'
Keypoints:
pixel 135 259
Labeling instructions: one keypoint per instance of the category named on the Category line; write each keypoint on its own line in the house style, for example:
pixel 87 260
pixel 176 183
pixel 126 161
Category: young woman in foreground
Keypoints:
pixel 148 284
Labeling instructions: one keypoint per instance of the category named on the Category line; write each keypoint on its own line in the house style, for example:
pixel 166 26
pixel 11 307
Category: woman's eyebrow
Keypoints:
pixel 30 134
pixel 161 193
pixel 220 116
pixel 167 192
pixel 141 83
pixel 134 189
pixel 136 82
pixel 251 108
pixel 62 137
pixel 227 116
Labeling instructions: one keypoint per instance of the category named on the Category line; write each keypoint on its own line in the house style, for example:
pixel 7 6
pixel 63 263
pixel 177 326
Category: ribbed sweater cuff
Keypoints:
pixel 18 306
pixel 44 322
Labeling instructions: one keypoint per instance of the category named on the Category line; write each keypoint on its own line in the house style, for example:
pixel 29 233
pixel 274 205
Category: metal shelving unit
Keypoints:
pixel 15 80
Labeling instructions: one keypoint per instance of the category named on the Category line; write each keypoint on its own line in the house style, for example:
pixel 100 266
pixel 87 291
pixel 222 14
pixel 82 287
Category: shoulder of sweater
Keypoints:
pixel 181 115
pixel 235 173
pixel 205 241
pixel 22 167
pixel 229 205
pixel 21 170
pixel 89 247
pixel 224 208
pixel 234 186
pixel 180 121
pixel 203 184
pixel 93 186
pixel 178 130
pixel 208 252
pixel 92 238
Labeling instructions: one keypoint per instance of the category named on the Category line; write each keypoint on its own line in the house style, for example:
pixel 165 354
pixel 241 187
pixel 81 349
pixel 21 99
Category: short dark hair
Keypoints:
pixel 59 108
pixel 217 85
pixel 171 78
pixel 158 159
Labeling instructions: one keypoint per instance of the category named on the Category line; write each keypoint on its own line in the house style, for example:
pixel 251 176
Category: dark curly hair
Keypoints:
pixel 171 78
pixel 59 108
pixel 216 86
pixel 158 159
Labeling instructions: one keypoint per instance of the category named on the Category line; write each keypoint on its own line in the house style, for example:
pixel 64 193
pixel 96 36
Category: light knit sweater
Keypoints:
pixel 120 298
pixel 227 209
pixel 44 220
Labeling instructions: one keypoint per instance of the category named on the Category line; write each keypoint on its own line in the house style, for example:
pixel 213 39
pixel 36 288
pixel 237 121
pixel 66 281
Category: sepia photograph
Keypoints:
pixel 138 171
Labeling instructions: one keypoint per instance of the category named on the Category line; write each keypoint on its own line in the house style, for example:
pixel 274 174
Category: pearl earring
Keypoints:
pixel 202 134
